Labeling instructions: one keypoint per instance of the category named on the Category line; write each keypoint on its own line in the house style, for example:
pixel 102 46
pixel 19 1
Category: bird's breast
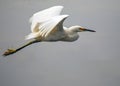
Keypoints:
pixel 55 37
pixel 71 37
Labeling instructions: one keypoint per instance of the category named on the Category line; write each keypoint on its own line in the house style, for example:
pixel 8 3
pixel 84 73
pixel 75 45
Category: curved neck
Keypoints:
pixel 74 29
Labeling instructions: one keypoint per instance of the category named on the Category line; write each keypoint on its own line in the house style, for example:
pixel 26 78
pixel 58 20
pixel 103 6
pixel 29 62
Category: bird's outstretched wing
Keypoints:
pixel 48 27
pixel 52 25
pixel 44 15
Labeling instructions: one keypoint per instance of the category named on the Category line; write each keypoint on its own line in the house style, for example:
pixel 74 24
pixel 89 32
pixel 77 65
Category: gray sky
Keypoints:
pixel 93 60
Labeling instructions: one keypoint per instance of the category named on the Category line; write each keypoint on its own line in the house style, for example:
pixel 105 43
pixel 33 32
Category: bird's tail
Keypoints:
pixel 30 36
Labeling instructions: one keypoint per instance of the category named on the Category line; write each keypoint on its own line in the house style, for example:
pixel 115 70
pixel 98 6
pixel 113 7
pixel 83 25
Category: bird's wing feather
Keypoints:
pixel 47 27
pixel 44 16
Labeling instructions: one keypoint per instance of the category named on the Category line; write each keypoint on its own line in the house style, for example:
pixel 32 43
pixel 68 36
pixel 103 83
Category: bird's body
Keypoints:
pixel 64 35
pixel 47 25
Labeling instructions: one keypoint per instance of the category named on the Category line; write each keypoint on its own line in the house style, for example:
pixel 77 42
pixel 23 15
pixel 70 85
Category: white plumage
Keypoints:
pixel 47 25
pixel 44 22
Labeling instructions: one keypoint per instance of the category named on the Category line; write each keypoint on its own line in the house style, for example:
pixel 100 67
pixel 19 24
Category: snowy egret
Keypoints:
pixel 47 25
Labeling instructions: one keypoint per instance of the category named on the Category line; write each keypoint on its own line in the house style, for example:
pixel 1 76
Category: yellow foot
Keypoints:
pixel 9 51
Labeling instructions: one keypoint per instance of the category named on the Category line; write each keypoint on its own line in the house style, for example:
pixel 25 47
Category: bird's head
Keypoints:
pixel 80 29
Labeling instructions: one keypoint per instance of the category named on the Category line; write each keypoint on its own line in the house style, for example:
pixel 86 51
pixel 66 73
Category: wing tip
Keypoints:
pixel 59 6
pixel 64 16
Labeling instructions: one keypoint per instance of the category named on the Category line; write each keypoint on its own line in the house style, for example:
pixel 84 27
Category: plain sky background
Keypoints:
pixel 93 60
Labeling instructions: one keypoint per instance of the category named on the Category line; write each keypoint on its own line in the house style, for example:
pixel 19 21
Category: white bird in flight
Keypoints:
pixel 47 25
